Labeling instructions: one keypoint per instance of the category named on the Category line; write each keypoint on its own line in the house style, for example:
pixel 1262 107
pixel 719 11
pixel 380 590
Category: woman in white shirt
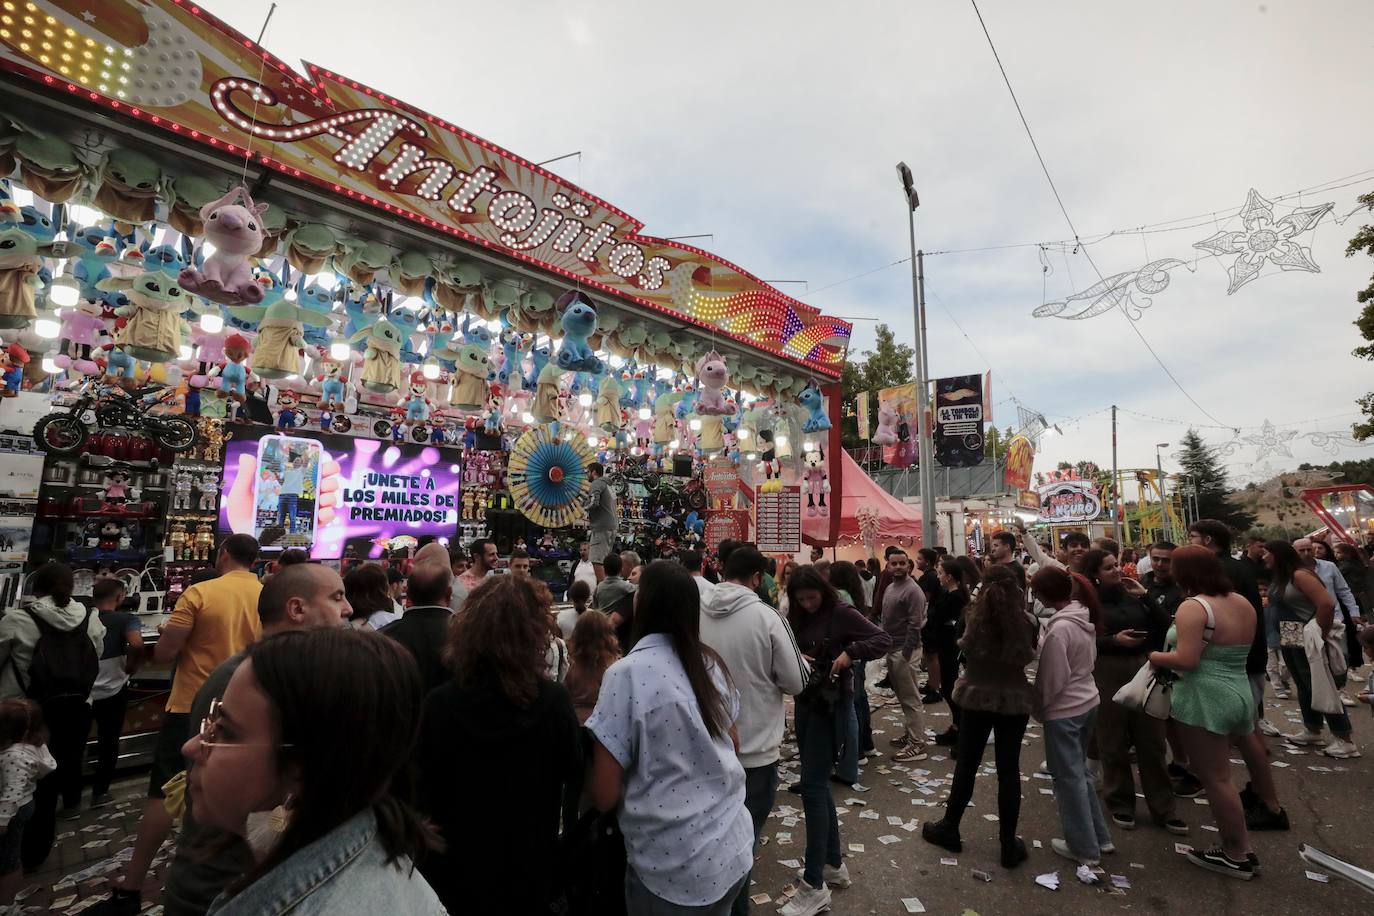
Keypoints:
pixel 665 752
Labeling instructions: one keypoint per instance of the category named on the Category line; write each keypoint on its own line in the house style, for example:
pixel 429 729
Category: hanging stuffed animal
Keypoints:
pixel 82 334
pixel 332 393
pixel 129 186
pixel 237 233
pixel 546 405
pixel 409 272
pixel 539 357
pixel 606 408
pixel 813 402
pixel 514 346
pixel 362 308
pixel 381 362
pixel 415 399
pixel 360 261
pixel 886 433
pixel 189 194
pixel 21 260
pixel 13 359
pixel 309 246
pixel 48 166
pixel 578 320
pixel 277 351
pixel 233 372
pixel 209 352
pixel 815 483
pixel 711 379
pixel 166 258
pixel 320 300
pixel 154 330
pixel 470 377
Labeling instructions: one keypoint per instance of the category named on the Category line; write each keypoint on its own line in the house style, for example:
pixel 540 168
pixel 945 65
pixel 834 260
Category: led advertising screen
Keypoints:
pixel 327 493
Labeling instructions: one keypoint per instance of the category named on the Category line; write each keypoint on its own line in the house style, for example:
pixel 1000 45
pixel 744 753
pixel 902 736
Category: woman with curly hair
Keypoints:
pixel 499 753
pixel 593 649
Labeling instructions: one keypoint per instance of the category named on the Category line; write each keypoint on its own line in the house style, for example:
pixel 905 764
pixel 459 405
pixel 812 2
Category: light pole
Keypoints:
pixel 1163 499
pixel 925 452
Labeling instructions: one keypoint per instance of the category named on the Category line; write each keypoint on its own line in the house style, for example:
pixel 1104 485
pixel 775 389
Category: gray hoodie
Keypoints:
pixel 19 635
pixel 1068 653
pixel 764 663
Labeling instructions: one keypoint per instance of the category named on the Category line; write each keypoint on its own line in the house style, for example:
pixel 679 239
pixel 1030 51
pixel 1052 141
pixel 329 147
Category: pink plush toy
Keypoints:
pixel 815 482
pixel 886 433
pixel 712 375
pixel 209 353
pixel 237 233
pixel 83 332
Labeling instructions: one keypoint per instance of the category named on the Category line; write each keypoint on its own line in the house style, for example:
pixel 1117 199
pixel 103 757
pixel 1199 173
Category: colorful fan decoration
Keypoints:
pixel 548 478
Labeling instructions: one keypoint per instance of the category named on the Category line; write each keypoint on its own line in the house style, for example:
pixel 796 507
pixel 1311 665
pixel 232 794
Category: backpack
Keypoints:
pixel 65 663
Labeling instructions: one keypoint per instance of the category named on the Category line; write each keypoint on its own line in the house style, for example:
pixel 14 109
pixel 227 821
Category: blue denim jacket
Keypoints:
pixel 344 871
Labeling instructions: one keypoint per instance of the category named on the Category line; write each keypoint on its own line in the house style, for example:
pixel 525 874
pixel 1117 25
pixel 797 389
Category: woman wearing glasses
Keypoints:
pixel 328 838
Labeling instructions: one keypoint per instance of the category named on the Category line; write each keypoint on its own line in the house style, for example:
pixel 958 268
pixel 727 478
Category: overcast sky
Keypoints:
pixel 776 126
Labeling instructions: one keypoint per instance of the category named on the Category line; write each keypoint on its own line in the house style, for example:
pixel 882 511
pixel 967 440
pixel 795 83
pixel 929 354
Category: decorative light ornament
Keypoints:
pixel 592 441
pixel 634 450
pixel 211 323
pixel 1265 239
pixel 674 444
pixel 46 328
pixel 645 413
pixel 338 351
pixel 64 293
pixel 751 457
pixel 430 370
pixel 527 418
pixel 808 445
pixel 186 352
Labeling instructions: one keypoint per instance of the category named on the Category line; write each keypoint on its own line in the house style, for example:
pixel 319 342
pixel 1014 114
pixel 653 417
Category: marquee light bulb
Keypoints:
pixel 50 365
pixel 695 425
pixel 527 418
pixel 592 441
pixel 430 371
pixel 808 446
pixel 674 444
pixel 645 413
pixel 338 351
pixel 211 323
pixel 741 434
pixel 186 352
pixel 780 441
pixel 46 328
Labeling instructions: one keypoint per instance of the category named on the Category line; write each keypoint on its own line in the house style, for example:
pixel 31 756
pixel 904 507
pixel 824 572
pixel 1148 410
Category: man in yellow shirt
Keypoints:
pixel 212 621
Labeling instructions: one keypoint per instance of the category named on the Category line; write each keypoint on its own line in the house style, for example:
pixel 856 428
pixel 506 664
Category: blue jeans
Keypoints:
pixel 760 788
pixel 847 762
pixel 818 740
pixel 1080 811
pixel 286 511
pixel 1296 660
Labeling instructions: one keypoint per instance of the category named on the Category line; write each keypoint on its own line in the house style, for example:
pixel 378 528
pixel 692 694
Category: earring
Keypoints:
pixel 265 828
pixel 281 815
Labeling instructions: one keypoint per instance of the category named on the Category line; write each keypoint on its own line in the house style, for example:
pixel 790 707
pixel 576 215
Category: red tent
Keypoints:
pixel 896 518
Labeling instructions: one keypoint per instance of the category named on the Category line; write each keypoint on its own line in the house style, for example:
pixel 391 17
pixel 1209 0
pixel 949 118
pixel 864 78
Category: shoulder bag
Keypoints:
pixel 1151 690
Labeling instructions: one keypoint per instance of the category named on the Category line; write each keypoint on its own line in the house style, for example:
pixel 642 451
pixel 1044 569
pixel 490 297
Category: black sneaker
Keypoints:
pixel 1176 826
pixel 795 788
pixel 1185 784
pixel 119 903
pixel 1216 860
pixel 930 699
pixel 1254 862
pixel 1123 820
pixel 884 684
pixel 948 738
pixel 942 835
pixel 1014 853
pixel 1249 798
pixel 1261 818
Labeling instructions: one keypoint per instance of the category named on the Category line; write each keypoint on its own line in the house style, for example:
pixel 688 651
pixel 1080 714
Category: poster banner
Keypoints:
pixel 1028 499
pixel 726 523
pixel 861 406
pixel 778 521
pixel 959 421
pixel 1020 463
pixel 1069 501
pixel 365 491
pixel 897 425
pixel 721 478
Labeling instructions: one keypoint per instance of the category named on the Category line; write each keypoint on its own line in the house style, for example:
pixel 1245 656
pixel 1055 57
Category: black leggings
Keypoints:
pixel 949 673
pixel 974 729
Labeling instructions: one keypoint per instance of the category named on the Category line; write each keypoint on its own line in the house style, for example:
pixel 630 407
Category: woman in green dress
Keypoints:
pixel 1212 630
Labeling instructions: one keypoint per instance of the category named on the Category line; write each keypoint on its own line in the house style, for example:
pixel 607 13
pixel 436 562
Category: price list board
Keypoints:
pixel 777 521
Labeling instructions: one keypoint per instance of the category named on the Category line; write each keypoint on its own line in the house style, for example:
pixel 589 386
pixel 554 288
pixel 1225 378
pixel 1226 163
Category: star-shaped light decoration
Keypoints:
pixel 88 15
pixel 1271 440
pixel 1265 239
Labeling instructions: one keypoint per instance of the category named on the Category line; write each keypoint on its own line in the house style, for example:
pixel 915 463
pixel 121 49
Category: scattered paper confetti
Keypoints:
pixel 990 817
pixel 760 899
pixel 1182 848
pixel 1121 881
pixel 1085 875
pixel 949 860
pixel 913 905
pixel 789 863
pixel 889 839
pixel 981 876
pixel 1318 877
pixel 1049 880
pixel 856 847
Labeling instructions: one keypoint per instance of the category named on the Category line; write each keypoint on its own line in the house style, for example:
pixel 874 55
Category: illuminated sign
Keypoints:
pixel 172 65
pixel 1069 501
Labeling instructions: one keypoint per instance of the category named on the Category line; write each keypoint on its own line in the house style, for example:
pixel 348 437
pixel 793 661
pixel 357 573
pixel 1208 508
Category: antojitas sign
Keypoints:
pixel 172 65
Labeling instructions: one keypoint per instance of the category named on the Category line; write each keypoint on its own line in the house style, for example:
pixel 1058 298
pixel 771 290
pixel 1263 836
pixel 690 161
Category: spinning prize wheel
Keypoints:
pixel 548 478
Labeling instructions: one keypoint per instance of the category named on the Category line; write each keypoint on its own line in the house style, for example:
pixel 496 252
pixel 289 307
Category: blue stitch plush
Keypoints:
pixel 811 399
pixel 579 324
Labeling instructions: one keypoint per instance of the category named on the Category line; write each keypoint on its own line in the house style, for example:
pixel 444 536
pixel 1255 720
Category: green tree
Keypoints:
pixel 1364 242
pixel 1206 474
pixel 889 363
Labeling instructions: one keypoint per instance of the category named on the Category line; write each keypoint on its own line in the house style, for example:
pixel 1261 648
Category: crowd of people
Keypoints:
pixel 328 742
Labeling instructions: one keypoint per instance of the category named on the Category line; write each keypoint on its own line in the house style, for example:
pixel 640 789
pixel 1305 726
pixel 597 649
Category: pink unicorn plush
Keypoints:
pixel 886 433
pixel 237 233
pixel 712 376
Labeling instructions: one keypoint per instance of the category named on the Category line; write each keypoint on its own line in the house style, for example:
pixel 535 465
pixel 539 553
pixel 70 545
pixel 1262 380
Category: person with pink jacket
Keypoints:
pixel 1068 709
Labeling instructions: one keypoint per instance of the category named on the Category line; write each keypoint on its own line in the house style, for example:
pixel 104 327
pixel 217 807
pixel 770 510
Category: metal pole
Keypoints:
pixel 926 451
pixel 1116 495
pixel 1165 524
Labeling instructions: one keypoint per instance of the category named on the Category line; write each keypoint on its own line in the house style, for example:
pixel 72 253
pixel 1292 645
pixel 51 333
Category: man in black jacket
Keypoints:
pixel 423 629
pixel 1160 588
pixel 1260 797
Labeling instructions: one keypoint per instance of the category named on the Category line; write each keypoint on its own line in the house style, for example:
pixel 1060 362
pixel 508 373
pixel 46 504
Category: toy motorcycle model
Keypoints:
pixel 102 406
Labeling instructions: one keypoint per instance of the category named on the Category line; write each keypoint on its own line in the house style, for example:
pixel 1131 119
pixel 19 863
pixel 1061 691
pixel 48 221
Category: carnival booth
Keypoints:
pixel 871 517
pixel 239 298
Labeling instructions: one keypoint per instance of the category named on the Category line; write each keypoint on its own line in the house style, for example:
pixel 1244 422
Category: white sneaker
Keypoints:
pixel 1346 701
pixel 1062 848
pixel 833 877
pixel 808 901
pixel 1341 749
pixel 1305 738
pixel 1282 693
pixel 1269 728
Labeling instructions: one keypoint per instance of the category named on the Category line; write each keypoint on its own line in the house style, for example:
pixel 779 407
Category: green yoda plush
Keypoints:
pixel 130 184
pixel 453 281
pixel 48 166
pixel 382 362
pixel 409 270
pixel 273 221
pixel 281 336
pixel 21 258
pixel 470 379
pixel 309 246
pixel 189 193
pixel 360 261
pixel 155 329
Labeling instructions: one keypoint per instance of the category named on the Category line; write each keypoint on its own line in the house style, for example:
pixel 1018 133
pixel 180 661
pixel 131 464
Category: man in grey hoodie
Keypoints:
pixel 764 662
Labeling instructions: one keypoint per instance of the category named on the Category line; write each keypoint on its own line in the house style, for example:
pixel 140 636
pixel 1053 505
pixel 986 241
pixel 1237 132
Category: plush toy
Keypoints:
pixel 13 359
pixel 209 352
pixel 237 232
pixel 21 260
pixel 470 378
pixel 495 424
pixel 154 329
pixel 289 413
pixel 119 366
pixel 772 471
pixel 514 345
pixel 110 533
pixel 125 542
pixel 166 258
pixel 36 223
pixel 815 483
pixel 546 407
pixel 712 435
pixel 129 184
pixel 82 333
pixel 578 320
pixel 316 298
pixel 189 193
pixel 539 358
pixel 281 341
pixel 886 433
pixel 711 379
pixel 232 372
pixel 415 399
pixel 381 362
pixel 813 402
pixel 49 166
pixel 606 408
pixel 360 261
pixel 332 394
pixel 407 321
pixel 664 422
pixel 181 491
pixel 308 247
pixel 362 309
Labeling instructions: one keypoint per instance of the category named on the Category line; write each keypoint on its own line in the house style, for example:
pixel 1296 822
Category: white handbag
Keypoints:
pixel 1150 692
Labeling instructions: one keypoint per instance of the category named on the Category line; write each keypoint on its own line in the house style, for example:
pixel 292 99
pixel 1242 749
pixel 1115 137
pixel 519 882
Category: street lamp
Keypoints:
pixel 1163 499
pixel 925 449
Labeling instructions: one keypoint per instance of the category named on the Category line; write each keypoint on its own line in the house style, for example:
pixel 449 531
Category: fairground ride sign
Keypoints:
pixel 1067 501
pixel 172 65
